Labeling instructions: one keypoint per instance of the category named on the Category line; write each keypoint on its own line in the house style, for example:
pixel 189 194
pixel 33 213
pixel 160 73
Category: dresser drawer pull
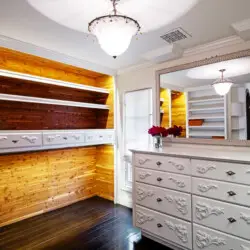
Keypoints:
pixel 159 179
pixel 231 193
pixel 230 173
pixel 14 141
pixel 231 220
pixel 159 199
pixel 158 163
pixel 159 225
pixel 65 138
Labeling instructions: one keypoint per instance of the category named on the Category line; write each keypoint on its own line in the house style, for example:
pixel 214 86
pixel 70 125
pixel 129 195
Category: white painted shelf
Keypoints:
pixel 206 116
pixel 206 99
pixel 206 133
pixel 206 105
pixel 44 80
pixel 20 98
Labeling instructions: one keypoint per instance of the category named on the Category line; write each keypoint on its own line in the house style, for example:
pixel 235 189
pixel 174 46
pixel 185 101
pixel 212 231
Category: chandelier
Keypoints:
pixel 222 85
pixel 114 32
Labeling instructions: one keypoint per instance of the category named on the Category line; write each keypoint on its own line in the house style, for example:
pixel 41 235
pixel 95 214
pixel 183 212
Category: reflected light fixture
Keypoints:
pixel 222 86
pixel 114 32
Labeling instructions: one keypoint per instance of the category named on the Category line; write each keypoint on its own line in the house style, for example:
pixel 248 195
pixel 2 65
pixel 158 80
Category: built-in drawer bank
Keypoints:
pixel 13 141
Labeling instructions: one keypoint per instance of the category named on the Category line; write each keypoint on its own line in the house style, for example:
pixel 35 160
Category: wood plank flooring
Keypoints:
pixel 90 225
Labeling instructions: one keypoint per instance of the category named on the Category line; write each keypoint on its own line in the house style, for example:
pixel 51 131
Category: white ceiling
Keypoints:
pixel 238 70
pixel 207 21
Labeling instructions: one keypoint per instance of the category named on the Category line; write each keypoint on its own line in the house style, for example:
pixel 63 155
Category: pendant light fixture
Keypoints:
pixel 114 32
pixel 222 86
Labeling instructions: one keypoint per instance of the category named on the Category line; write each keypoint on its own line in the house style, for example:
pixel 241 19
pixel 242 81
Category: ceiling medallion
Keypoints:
pixel 222 85
pixel 114 32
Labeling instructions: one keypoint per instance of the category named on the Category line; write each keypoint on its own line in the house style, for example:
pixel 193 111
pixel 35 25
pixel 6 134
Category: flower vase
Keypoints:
pixel 158 141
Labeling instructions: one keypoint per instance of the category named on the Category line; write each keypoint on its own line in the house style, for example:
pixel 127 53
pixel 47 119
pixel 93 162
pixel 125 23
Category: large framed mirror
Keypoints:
pixel 210 99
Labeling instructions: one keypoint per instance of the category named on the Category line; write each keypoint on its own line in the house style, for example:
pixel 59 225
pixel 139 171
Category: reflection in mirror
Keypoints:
pixel 195 99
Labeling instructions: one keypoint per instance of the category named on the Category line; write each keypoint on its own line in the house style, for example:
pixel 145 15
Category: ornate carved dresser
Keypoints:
pixel 189 197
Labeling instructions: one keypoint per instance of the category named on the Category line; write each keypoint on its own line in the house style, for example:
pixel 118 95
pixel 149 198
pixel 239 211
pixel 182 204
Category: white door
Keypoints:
pixel 137 120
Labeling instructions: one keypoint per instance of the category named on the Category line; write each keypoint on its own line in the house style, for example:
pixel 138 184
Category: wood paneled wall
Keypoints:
pixel 179 110
pixel 164 93
pixel 34 183
pixel 34 65
pixel 32 116
pixel 105 172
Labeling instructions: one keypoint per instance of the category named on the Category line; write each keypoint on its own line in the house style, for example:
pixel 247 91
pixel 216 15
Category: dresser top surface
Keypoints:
pixel 207 152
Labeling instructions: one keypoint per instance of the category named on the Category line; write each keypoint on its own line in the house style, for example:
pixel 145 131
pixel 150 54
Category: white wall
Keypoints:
pixel 145 78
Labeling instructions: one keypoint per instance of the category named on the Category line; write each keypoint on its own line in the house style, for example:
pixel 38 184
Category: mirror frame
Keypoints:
pixel 206 61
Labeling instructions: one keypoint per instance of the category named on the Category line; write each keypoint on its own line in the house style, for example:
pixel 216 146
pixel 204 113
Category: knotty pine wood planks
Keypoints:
pixel 105 172
pixel 35 116
pixel 25 63
pixel 179 110
pixel 34 183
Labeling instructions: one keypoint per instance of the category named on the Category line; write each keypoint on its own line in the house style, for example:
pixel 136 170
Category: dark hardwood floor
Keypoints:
pixel 90 225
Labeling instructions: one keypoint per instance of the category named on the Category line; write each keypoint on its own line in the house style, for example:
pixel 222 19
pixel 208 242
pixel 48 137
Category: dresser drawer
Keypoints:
pixel 164 200
pixel 228 218
pixel 232 172
pixel 225 191
pixel 163 179
pixel 17 140
pixel 167 227
pixel 163 163
pixel 209 239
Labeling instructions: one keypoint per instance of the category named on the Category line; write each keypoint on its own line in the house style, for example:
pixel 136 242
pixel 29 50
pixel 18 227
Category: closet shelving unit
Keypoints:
pixel 37 101
pixel 204 104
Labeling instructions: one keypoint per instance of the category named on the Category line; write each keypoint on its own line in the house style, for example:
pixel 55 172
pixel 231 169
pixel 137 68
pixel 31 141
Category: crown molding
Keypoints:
pixel 35 50
pixel 204 48
pixel 215 45
pixel 135 67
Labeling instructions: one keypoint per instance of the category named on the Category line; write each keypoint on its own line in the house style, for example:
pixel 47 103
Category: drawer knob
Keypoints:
pixel 231 193
pixel 230 173
pixel 159 225
pixel 65 138
pixel 159 199
pixel 158 163
pixel 14 141
pixel 231 220
pixel 159 179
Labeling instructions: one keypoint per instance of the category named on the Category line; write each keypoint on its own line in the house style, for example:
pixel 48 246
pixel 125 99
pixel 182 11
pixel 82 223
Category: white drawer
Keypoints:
pixel 167 227
pixel 55 138
pixel 163 179
pixel 91 137
pixel 164 200
pixel 73 137
pixel 17 140
pixel 225 191
pixel 163 163
pixel 232 172
pixel 228 218
pixel 209 239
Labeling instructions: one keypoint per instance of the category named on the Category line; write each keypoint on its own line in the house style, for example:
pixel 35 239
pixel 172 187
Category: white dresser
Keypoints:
pixel 189 197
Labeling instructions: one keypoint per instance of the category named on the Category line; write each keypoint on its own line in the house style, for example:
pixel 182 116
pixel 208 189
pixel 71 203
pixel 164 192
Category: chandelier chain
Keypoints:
pixel 115 2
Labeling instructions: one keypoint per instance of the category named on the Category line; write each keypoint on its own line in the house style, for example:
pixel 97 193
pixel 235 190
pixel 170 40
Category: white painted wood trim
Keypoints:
pixel 50 81
pixel 20 98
